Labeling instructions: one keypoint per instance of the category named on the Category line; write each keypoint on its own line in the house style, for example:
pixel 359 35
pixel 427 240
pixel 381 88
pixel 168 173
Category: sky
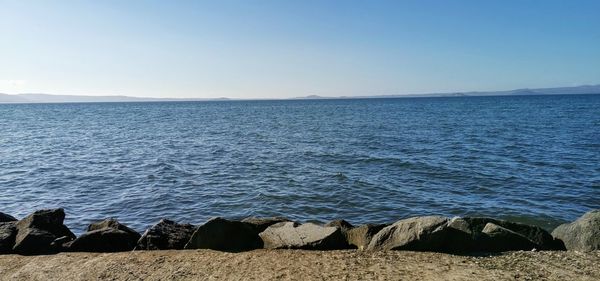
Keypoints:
pixel 285 48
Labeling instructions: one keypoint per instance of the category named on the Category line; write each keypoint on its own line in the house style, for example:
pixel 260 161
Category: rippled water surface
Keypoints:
pixel 533 159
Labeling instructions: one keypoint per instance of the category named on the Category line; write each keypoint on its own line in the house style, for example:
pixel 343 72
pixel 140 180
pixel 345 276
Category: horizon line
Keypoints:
pixel 308 96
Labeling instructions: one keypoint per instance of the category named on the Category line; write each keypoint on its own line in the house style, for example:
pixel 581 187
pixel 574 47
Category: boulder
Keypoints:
pixel 500 239
pixel 36 232
pixel 429 233
pixel 260 224
pixel 103 240
pixel 225 235
pixel 166 235
pixel 61 243
pixel 6 217
pixel 582 234
pixel 344 227
pixel 8 232
pixel 540 237
pixel 111 223
pixel 108 235
pixel 341 224
pixel 308 236
pixel 361 236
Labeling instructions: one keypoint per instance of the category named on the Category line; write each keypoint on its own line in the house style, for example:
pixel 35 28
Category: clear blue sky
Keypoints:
pixel 276 49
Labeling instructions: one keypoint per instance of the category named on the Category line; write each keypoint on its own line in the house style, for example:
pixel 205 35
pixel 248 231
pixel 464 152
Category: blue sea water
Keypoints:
pixel 534 159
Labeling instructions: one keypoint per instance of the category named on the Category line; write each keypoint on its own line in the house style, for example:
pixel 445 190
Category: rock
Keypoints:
pixel 540 237
pixel 8 232
pixel 111 223
pixel 345 227
pixel 6 218
pixel 225 235
pixel 361 236
pixel 36 232
pixel 341 224
pixel 308 236
pixel 103 240
pixel 105 236
pixel 260 224
pixel 500 239
pixel 61 243
pixel 460 224
pixel 582 234
pixel 166 235
pixel 429 233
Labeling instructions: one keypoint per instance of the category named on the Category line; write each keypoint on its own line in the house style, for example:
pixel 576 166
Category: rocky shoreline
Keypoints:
pixel 44 232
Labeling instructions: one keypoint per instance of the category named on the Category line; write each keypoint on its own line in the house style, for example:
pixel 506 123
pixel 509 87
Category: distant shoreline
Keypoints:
pixel 301 99
pixel 50 98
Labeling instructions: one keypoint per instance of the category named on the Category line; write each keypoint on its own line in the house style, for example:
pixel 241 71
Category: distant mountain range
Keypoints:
pixel 48 98
pixel 578 90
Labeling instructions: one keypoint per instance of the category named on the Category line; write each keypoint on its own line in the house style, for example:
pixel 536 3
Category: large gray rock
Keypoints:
pixel 429 233
pixel 361 236
pixel 500 239
pixel 582 234
pixel 540 237
pixel 166 235
pixel 308 236
pixel 260 224
pixel 8 232
pixel 6 217
pixel 37 232
pixel 225 235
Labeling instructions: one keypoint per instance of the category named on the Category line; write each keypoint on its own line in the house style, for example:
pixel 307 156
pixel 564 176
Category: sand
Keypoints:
pixel 301 265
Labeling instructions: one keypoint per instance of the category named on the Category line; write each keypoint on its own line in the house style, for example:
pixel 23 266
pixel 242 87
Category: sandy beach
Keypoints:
pixel 301 265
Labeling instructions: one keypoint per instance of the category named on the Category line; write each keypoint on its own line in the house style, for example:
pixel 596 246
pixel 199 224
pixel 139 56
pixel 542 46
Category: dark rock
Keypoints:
pixel 582 234
pixel 104 240
pixel 8 232
pixel 6 217
pixel 341 224
pixel 344 227
pixel 111 223
pixel 429 233
pixel 36 232
pixel 61 243
pixel 308 236
pixel 108 235
pixel 540 237
pixel 361 236
pixel 260 224
pixel 166 235
pixel 225 235
pixel 500 239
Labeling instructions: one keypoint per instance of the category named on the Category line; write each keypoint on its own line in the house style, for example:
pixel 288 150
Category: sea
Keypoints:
pixel 531 159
